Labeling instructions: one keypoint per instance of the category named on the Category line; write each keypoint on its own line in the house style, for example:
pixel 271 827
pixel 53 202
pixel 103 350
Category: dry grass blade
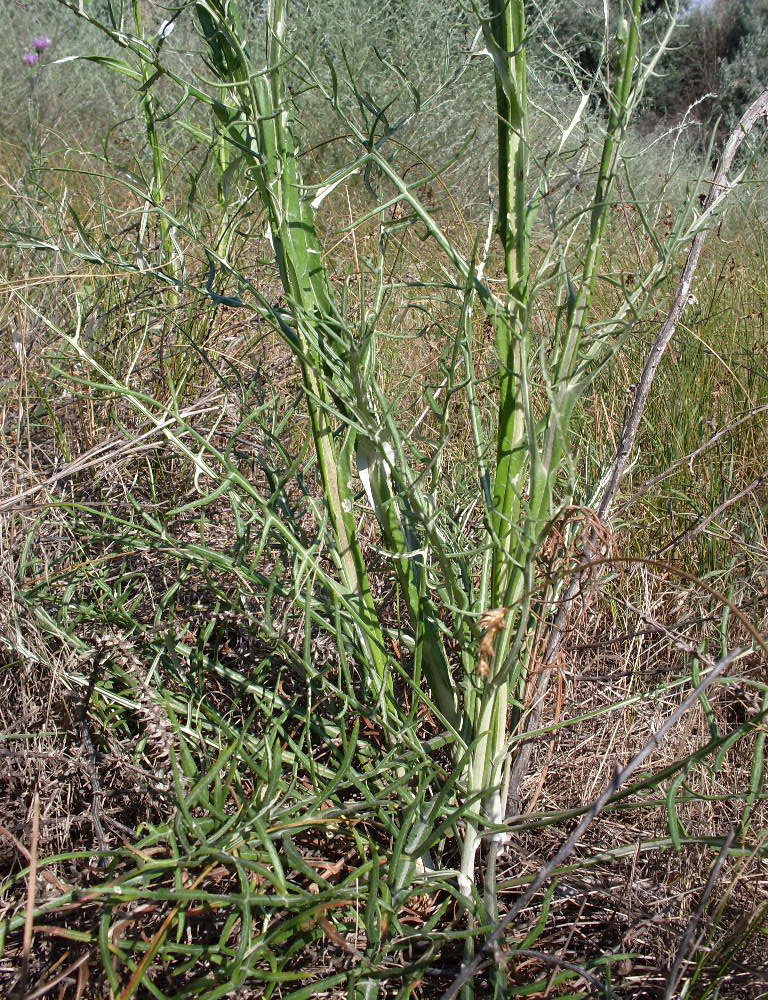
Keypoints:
pixel 111 451
pixel 63 977
pixel 675 971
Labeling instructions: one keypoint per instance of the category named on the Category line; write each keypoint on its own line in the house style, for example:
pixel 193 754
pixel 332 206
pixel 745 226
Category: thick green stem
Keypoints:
pixel 506 38
pixel 264 124
pixel 505 35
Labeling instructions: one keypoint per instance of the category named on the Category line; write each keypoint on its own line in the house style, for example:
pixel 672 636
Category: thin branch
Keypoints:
pixel 702 523
pixel 690 458
pixel 29 918
pixel 553 960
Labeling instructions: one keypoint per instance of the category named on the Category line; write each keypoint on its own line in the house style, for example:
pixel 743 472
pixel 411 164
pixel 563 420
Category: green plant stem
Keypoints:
pixel 264 117
pixel 157 191
pixel 505 34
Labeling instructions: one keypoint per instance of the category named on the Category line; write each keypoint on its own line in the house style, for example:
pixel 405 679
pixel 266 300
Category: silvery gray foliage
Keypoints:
pixel 744 76
pixel 425 67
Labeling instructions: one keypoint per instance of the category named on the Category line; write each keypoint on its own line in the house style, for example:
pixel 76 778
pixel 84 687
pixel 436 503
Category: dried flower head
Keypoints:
pixel 493 621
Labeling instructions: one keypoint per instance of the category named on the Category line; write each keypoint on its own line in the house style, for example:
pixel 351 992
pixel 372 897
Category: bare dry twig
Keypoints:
pixel 690 458
pixel 702 523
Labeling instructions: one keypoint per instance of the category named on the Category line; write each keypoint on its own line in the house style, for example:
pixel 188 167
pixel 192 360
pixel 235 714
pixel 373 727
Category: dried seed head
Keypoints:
pixel 157 728
pixel 493 622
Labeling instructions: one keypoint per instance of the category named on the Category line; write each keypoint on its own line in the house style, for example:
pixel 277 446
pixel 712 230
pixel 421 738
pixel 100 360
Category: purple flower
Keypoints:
pixel 41 43
pixel 30 58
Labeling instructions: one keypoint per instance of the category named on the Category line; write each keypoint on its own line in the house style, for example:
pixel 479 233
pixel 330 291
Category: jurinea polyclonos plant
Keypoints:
pixel 474 614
